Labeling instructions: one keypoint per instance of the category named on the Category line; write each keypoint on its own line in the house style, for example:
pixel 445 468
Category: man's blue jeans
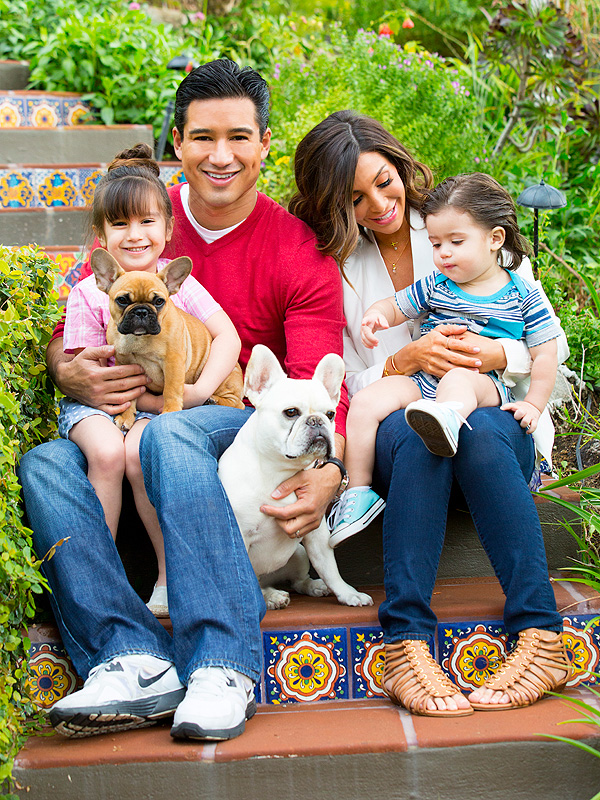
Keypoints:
pixel 215 601
pixel 493 463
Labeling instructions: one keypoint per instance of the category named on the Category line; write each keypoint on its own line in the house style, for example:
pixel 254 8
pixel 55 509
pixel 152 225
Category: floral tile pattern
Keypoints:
pixel 50 187
pixel 51 674
pixel 302 666
pixel 40 111
pixel 366 645
pixel 471 652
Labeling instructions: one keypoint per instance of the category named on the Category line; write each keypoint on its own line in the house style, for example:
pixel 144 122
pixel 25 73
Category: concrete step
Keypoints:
pixel 77 144
pixel 323 728
pixel 14 74
pixel 35 109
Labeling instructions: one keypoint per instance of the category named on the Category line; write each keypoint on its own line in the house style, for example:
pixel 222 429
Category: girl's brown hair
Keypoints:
pixel 488 203
pixel 325 167
pixel 129 188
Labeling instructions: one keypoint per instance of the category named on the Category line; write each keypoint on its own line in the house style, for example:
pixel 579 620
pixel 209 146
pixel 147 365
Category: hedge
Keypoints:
pixel 28 313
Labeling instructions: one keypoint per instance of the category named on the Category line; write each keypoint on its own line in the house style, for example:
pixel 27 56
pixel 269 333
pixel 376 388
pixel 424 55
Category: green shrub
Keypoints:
pixel 28 313
pixel 415 94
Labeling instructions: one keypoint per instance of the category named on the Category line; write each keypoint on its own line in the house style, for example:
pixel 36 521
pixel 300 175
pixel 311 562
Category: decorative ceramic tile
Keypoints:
pixel 302 666
pixel 70 264
pixel 471 652
pixel 11 113
pixel 582 648
pixel 51 674
pixel 59 188
pixel 171 176
pixel 366 647
pixel 44 113
pixel 16 190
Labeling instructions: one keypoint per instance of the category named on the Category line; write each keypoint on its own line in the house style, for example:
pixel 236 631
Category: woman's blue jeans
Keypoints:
pixel 215 602
pixel 493 463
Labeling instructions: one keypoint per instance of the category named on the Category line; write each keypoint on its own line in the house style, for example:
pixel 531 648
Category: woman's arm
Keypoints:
pixel 224 353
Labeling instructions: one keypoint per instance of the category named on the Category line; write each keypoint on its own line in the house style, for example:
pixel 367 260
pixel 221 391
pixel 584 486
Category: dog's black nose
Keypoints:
pixel 141 312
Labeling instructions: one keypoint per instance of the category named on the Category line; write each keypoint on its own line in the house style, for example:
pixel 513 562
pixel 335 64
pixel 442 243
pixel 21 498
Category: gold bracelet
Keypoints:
pixel 397 371
pixel 386 373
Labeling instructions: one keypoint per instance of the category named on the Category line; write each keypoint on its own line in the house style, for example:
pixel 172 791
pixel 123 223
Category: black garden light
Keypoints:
pixel 185 64
pixel 544 197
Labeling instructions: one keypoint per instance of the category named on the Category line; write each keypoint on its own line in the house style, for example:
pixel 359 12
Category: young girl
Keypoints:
pixel 132 219
pixel 471 223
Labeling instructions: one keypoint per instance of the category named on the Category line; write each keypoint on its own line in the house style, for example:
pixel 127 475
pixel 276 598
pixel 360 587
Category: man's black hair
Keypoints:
pixel 219 80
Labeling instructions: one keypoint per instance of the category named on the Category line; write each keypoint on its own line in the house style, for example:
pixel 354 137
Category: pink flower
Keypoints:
pixel 385 30
pixel 134 6
pixel 198 16
pixel 370 51
pixel 408 23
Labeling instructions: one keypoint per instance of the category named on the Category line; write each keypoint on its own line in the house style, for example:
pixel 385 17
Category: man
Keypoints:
pixel 262 266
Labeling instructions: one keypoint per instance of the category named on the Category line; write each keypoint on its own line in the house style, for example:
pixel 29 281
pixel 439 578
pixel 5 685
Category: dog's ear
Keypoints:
pixel 262 372
pixel 174 274
pixel 105 268
pixel 330 371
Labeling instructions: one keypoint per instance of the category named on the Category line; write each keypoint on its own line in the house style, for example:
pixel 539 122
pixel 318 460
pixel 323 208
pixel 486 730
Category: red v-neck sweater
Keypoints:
pixel 278 289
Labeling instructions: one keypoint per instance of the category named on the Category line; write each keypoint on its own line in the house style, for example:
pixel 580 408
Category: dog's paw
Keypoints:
pixel 276 598
pixel 312 587
pixel 124 422
pixel 355 599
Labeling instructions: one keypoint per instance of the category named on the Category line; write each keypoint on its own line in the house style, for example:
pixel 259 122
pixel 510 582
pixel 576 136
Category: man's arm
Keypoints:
pixel 85 377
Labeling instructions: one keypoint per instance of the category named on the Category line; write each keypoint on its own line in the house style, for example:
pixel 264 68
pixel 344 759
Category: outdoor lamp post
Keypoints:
pixel 182 62
pixel 544 197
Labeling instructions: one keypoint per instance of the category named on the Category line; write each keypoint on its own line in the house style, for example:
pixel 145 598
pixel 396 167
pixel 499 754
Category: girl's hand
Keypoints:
pixel 372 321
pixel 526 414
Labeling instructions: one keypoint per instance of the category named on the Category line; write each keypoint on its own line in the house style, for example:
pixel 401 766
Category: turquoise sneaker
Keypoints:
pixel 438 425
pixel 356 509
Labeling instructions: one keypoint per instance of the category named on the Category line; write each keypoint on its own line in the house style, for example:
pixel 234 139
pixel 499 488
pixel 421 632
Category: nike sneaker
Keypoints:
pixel 132 691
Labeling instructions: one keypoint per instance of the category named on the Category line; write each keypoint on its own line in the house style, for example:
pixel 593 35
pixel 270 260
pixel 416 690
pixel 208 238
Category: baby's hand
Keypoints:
pixel 525 413
pixel 372 321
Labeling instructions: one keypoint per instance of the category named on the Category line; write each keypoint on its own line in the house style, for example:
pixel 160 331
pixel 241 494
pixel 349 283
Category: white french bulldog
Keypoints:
pixel 291 428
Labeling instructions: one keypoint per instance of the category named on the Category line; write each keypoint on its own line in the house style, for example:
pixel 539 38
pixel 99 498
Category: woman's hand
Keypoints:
pixel 439 351
pixel 490 351
pixel 372 321
pixel 315 489
pixel 86 378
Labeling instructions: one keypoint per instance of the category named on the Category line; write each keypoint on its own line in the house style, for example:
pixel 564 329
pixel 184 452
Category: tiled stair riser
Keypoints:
pixel 346 662
pixel 24 187
pixel 53 187
pixel 43 110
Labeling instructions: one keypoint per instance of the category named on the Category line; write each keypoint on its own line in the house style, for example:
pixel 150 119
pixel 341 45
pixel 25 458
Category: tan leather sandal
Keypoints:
pixel 526 674
pixel 411 677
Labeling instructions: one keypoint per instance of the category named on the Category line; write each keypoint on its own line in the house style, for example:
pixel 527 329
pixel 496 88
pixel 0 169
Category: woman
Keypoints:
pixel 359 189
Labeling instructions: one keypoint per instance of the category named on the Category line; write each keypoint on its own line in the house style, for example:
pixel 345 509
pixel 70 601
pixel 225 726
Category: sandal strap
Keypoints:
pixel 413 676
pixel 526 674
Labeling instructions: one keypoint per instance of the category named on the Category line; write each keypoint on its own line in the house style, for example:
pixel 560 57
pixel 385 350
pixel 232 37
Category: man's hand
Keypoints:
pixel 85 377
pixel 315 489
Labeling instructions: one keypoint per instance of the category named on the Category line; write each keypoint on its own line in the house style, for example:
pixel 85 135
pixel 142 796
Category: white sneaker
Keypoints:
pixel 217 704
pixel 438 425
pixel 132 691
pixel 159 602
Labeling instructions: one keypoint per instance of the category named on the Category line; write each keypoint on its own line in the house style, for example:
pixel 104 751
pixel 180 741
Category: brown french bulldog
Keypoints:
pixel 148 329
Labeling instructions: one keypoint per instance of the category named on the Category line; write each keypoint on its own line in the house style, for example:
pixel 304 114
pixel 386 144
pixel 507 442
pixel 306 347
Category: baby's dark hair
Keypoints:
pixel 129 188
pixel 488 203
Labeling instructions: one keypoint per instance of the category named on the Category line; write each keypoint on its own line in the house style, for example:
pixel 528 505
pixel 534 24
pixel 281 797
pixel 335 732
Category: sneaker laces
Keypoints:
pixel 340 509
pixel 214 680
pixel 453 406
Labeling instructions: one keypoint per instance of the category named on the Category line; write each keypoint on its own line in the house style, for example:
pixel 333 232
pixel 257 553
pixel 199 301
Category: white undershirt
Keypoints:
pixel 208 235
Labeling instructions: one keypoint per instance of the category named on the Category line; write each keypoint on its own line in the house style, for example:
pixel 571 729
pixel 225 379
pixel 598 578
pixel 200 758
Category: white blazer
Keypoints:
pixel 370 281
